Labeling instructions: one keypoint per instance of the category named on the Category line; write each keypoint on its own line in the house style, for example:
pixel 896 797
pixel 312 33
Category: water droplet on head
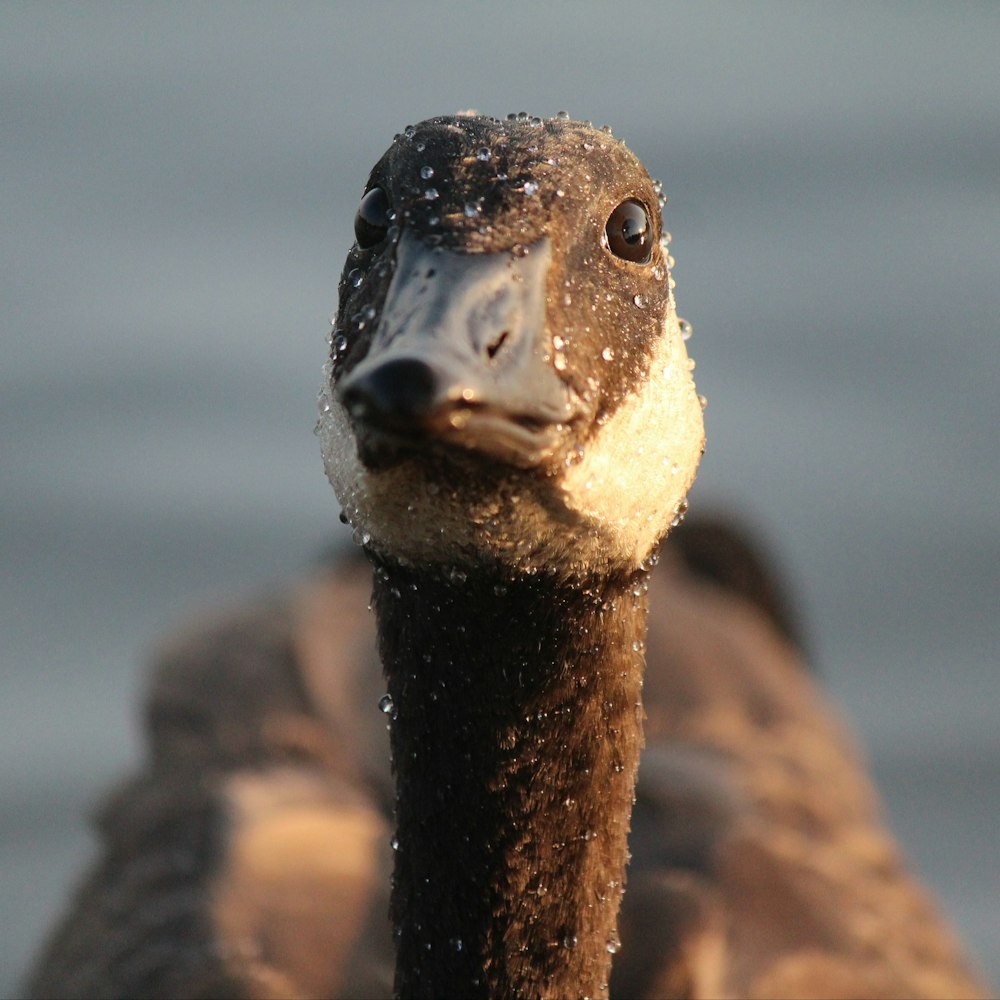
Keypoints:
pixel 394 842
pixel 386 705
pixel 702 400
pixel 686 329
pixel 608 354
pixel 431 194
pixel 455 944
pixel 569 941
pixel 640 301
pixel 355 277
pixel 339 343
pixel 483 154
pixel 588 146
pixel 427 173
pixel 563 116
pixel 531 187
pixel 472 209
pixel 679 514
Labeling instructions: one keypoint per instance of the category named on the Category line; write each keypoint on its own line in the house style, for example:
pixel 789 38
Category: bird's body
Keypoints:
pixel 511 427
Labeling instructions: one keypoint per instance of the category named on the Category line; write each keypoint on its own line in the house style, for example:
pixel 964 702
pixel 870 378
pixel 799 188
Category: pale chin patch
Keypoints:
pixel 607 511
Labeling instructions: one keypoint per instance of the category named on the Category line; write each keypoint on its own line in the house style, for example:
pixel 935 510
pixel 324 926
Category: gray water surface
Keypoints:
pixel 178 187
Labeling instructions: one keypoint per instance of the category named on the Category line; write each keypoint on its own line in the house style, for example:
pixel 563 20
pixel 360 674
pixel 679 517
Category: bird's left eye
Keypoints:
pixel 372 220
pixel 629 232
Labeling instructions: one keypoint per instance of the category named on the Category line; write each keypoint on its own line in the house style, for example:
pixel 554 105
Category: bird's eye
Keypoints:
pixel 372 219
pixel 630 235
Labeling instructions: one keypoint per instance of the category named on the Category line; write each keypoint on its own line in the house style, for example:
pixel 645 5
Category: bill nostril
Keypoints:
pixel 391 394
pixel 493 348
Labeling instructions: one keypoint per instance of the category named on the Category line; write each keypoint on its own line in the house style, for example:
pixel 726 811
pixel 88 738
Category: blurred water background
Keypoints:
pixel 178 186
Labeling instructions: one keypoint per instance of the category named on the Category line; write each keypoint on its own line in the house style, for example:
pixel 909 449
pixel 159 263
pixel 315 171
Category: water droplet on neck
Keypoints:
pixel 386 706
pixel 431 194
pixel 531 187
pixel 427 173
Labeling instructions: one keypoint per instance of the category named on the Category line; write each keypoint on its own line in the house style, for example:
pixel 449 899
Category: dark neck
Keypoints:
pixel 515 741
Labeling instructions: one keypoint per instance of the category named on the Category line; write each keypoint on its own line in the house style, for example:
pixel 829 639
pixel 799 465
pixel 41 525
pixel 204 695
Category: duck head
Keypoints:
pixel 508 382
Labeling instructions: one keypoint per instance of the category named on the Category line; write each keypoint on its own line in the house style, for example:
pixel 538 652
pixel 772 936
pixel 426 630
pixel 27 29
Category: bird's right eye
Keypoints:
pixel 372 220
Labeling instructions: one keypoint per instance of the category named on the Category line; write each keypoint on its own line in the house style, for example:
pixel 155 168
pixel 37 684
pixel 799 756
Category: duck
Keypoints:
pixel 444 797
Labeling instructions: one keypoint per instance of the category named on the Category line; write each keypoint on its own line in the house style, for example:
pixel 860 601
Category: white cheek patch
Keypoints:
pixel 400 511
pixel 639 466
pixel 609 509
